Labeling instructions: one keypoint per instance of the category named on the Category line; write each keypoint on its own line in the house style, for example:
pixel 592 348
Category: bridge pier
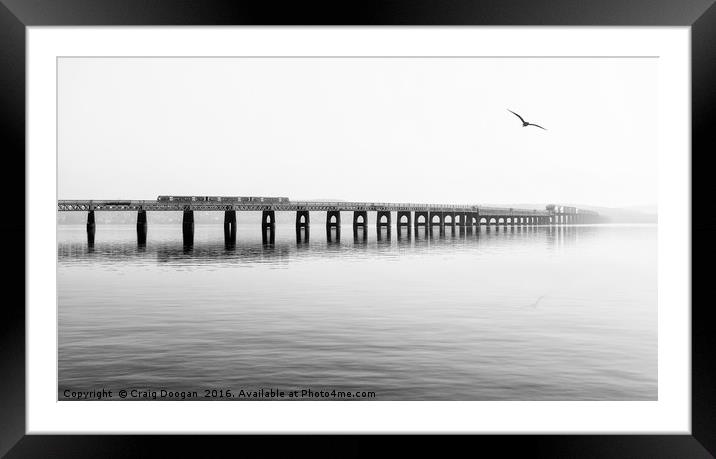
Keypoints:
pixel 440 223
pixel 333 220
pixel 268 219
pixel 426 219
pixel 379 233
pixel 90 227
pixel 360 220
pixel 268 227
pixel 268 235
pixel 142 227
pixel 329 234
pixel 187 227
pixel 303 234
pixel 303 219
pixel 472 220
pixel 464 222
pixel 408 221
pixel 303 225
pixel 229 227
pixel 379 223
pixel 459 218
pixel 451 224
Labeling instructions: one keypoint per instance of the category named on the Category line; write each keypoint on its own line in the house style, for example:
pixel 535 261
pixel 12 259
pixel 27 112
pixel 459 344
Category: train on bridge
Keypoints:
pixel 227 199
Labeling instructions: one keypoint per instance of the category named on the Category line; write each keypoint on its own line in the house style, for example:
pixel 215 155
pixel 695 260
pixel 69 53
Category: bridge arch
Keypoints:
pixel 492 221
pixel 448 219
pixel 268 217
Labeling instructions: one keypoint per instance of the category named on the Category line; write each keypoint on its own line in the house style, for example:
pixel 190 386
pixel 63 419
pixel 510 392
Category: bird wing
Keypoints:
pixel 518 116
pixel 536 125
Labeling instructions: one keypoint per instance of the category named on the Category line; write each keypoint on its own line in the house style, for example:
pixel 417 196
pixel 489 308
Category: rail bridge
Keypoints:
pixel 408 215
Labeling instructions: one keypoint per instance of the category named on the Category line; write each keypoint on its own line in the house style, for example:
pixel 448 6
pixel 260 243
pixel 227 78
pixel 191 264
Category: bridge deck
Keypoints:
pixel 124 205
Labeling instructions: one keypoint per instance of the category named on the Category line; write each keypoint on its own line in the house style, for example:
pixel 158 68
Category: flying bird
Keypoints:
pixel 525 123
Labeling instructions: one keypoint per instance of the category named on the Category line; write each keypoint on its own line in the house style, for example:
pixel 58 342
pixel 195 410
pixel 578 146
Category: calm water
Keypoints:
pixel 514 314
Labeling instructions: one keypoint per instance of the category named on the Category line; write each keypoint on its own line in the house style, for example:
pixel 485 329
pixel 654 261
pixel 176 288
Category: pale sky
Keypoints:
pixel 363 129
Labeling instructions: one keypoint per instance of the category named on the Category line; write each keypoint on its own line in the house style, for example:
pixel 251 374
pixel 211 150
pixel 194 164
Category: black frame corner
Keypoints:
pixel 16 15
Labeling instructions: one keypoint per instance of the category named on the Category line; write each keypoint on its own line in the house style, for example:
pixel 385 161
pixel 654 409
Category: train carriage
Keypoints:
pixel 188 199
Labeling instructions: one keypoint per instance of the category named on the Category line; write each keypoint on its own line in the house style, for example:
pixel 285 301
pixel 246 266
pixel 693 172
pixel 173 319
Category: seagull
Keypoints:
pixel 525 123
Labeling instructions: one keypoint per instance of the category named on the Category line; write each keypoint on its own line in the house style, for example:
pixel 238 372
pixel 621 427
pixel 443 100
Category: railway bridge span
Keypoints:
pixel 409 216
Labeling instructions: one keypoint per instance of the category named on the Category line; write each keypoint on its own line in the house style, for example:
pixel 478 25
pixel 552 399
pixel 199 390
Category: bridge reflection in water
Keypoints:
pixel 247 248
pixel 447 310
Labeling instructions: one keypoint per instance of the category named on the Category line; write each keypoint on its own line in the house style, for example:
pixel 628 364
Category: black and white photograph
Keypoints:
pixel 384 228
pixel 254 226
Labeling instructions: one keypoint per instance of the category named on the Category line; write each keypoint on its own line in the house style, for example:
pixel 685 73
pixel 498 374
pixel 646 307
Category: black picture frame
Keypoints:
pixel 16 15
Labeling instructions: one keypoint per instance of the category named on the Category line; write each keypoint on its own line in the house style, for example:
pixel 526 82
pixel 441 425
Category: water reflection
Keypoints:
pixel 303 235
pixel 166 247
pixel 530 313
pixel 333 234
